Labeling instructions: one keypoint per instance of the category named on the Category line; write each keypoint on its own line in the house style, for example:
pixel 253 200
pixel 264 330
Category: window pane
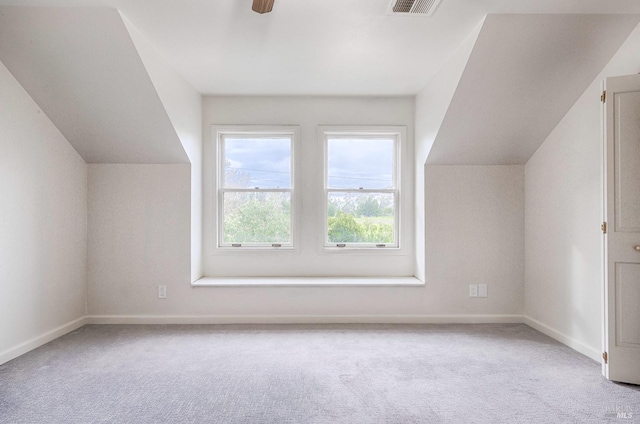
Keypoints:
pixel 355 163
pixel 361 218
pixel 257 218
pixel 252 161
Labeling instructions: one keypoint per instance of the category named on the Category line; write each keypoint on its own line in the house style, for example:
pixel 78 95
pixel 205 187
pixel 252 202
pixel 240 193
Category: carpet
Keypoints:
pixel 311 374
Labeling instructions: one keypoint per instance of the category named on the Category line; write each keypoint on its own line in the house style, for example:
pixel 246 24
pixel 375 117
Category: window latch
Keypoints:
pixel 341 245
pixel 236 245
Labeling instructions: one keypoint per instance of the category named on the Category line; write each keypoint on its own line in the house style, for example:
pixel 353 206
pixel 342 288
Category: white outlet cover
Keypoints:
pixel 473 290
pixel 483 290
pixel 162 292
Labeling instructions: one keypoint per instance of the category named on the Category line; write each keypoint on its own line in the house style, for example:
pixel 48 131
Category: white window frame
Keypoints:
pixel 219 134
pixel 363 132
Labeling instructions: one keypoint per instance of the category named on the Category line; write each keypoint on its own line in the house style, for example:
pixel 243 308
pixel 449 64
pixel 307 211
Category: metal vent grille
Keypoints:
pixel 420 7
pixel 402 6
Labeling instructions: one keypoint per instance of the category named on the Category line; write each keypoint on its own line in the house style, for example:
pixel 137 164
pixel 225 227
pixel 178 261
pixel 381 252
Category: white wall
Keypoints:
pixel 309 113
pixel 563 278
pixel 139 239
pixel 474 231
pixel 432 103
pixel 43 225
pixel 183 105
pixel 138 236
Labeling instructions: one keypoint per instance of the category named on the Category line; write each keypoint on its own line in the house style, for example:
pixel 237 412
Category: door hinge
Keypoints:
pixel 603 227
pixel 605 357
pixel 603 97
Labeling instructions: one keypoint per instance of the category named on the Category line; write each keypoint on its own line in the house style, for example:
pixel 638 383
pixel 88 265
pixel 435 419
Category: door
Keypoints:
pixel 622 234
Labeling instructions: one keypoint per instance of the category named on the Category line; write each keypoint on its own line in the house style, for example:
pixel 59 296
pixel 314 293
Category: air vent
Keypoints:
pixel 413 7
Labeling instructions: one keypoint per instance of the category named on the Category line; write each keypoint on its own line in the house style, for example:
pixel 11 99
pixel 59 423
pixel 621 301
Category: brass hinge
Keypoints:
pixel 603 97
pixel 605 357
pixel 603 227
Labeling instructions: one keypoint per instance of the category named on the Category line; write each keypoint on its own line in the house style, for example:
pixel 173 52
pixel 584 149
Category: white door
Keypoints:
pixel 622 238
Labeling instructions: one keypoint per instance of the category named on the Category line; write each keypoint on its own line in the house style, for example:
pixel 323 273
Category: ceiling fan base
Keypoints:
pixel 262 6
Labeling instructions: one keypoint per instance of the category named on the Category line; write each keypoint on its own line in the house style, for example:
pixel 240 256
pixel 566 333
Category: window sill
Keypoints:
pixel 308 282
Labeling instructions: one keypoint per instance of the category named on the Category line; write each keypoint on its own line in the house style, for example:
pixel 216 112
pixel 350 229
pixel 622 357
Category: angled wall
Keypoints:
pixel 432 103
pixel 183 105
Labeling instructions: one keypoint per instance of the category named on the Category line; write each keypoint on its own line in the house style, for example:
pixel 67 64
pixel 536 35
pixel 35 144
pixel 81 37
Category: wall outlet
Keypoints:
pixel 473 290
pixel 162 292
pixel 483 290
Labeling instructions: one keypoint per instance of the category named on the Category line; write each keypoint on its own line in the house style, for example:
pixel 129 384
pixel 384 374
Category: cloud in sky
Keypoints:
pixel 353 163
pixel 267 162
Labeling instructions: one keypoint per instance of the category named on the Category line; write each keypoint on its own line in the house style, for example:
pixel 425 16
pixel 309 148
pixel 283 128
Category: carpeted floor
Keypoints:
pixel 356 374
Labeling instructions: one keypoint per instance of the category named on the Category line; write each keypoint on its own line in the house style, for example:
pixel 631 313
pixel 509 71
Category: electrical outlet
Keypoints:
pixel 162 292
pixel 483 290
pixel 473 290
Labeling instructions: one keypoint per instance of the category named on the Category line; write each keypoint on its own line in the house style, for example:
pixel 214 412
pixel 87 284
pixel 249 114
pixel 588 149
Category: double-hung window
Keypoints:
pixel 361 189
pixel 256 194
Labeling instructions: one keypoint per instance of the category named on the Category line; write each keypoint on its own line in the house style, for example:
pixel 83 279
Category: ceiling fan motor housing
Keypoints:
pixel 262 6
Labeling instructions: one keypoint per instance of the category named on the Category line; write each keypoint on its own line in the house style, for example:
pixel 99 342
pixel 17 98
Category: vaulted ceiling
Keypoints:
pixel 315 47
pixel 531 61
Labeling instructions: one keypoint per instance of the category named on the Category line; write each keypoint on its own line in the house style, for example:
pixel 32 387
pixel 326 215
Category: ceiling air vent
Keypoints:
pixel 413 7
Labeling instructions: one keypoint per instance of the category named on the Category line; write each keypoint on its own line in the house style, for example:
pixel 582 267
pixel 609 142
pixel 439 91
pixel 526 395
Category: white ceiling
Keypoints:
pixel 315 47
pixel 81 68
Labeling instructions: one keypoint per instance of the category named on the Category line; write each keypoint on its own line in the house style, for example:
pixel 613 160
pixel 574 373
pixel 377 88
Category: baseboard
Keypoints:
pixel 303 319
pixel 38 341
pixel 574 344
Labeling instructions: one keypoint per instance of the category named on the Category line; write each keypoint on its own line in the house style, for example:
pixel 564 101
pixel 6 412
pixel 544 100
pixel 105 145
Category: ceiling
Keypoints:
pixel 82 65
pixel 524 73
pixel 315 47
pixel 82 69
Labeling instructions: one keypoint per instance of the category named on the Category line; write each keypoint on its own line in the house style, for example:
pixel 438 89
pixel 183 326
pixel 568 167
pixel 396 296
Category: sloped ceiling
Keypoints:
pixel 524 74
pixel 315 47
pixel 81 67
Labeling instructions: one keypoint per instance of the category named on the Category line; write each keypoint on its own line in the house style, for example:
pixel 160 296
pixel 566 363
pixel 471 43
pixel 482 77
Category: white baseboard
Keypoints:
pixel 574 344
pixel 38 341
pixel 303 319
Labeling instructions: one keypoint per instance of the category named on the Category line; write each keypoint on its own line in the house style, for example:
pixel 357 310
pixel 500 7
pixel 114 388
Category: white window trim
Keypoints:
pixel 400 134
pixel 215 240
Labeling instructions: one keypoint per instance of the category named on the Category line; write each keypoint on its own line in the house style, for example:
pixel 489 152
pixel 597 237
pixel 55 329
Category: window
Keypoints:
pixel 361 189
pixel 256 188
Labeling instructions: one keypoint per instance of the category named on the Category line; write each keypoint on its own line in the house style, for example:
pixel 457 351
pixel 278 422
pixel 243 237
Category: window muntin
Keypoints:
pixel 255 189
pixel 361 190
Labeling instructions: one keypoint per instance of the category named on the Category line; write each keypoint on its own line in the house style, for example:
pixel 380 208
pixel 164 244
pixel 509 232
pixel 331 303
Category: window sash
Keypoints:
pixel 222 190
pixel 222 182
pixel 273 244
pixel 362 135
pixel 396 222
